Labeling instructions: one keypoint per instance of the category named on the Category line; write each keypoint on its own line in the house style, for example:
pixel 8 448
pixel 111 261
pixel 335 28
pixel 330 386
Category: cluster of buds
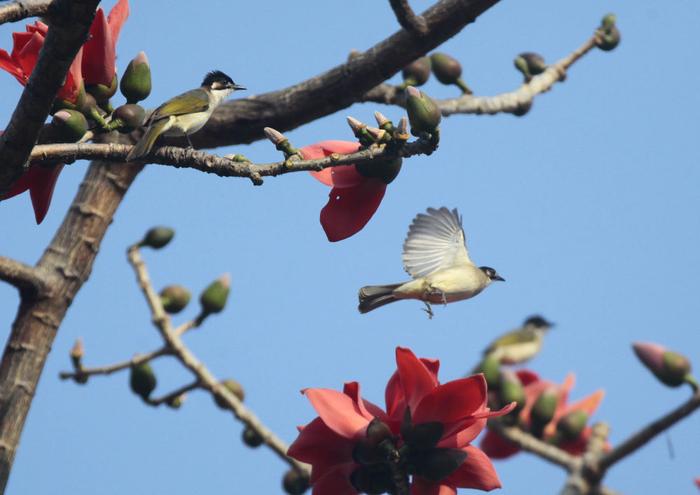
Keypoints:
pixel 446 69
pixel 607 35
pixel 530 64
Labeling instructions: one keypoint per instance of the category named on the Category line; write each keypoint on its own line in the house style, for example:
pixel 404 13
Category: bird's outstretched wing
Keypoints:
pixel 192 101
pixel 435 241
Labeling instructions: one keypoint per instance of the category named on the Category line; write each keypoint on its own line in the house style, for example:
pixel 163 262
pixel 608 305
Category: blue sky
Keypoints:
pixel 588 206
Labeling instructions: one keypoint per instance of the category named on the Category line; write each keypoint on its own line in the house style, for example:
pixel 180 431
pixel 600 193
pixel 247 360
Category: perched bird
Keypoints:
pixel 185 114
pixel 521 344
pixel 435 255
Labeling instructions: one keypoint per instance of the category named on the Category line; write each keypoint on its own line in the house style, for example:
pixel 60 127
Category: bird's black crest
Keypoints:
pixel 491 273
pixel 214 76
pixel 538 321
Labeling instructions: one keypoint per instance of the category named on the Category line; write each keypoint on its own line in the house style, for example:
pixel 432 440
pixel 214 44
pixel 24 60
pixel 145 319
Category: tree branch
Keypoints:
pixel 647 433
pixel 221 166
pixel 242 121
pixel 516 102
pixel 23 277
pixel 70 22
pixel 168 398
pixel 205 378
pixel 113 368
pixel 534 445
pixel 21 9
pixel 408 19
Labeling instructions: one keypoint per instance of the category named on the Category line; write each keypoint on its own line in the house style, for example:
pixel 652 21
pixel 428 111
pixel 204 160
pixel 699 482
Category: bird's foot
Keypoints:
pixel 432 291
pixel 428 309
pixel 189 142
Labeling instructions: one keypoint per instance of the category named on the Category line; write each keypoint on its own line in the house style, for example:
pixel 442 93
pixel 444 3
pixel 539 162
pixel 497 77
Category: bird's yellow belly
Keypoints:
pixel 452 284
pixel 187 124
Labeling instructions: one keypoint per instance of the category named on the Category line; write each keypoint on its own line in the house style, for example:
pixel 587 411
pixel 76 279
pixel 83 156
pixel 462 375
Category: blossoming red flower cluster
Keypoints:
pixel 422 439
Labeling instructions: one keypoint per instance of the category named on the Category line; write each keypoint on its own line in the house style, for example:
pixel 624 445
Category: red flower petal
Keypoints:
pixel 99 52
pixel 452 401
pixel 116 18
pixel 335 482
pixel 43 182
pixel 422 486
pixel 367 409
pixel 341 176
pixel 497 447
pixel 393 395
pixel 321 447
pixel 476 472
pixel 417 381
pixel 349 209
pixel 588 404
pixel 527 376
pixel 9 65
pixel 340 413
pixel 74 80
pixel 29 54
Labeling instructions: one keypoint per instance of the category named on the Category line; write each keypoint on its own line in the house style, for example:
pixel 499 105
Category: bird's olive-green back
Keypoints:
pixel 192 101
pixel 515 337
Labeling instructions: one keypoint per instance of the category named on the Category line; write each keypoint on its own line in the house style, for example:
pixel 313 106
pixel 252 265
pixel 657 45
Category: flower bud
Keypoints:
pixel 251 437
pixel 136 81
pixel 157 237
pixel 176 402
pixel 511 390
pixel 213 299
pixel 386 170
pixel 423 112
pixel 608 21
pixel 101 92
pixel 571 425
pixel 491 368
pixel 543 410
pixel 417 72
pixel 448 70
pixel 295 483
pixel 358 128
pixel 142 380
pixel 383 122
pixel 174 298
pixel 70 125
pixel 378 135
pixel 235 388
pixel 76 353
pixel 608 39
pixel 274 136
pixel 530 64
pixel 669 367
pixel 131 115
pixel 437 464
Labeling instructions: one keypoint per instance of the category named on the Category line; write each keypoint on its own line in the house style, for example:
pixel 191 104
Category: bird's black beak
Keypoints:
pixel 498 277
pixel 236 87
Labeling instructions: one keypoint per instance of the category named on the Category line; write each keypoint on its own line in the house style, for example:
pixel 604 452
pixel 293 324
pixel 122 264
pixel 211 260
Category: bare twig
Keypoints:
pixel 23 277
pixel 70 22
pixel 113 368
pixel 408 19
pixel 168 398
pixel 205 162
pixel 204 377
pixel 17 10
pixel 515 102
pixel 647 433
pixel 534 445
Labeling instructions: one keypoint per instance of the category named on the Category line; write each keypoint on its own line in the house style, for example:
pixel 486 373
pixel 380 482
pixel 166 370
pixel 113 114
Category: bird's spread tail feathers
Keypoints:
pixel 147 141
pixel 375 296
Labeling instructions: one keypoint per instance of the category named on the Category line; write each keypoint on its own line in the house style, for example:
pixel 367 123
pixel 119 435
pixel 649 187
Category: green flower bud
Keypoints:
pixel 570 426
pixel 87 104
pixel 213 299
pixel 142 380
pixel 174 298
pixel 69 125
pixel 423 112
pixel 416 73
pixel 491 368
pixel 235 388
pixel 448 70
pixel 131 116
pixel 608 21
pixel 386 170
pixel 511 390
pixel 608 39
pixel 295 483
pixel 176 402
pixel 437 464
pixel 543 410
pixel 136 81
pixel 101 92
pixel 671 368
pixel 157 237
pixel 251 438
pixel 530 64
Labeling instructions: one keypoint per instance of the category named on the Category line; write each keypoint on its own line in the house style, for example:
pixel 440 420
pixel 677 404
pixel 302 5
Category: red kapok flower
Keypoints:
pixel 423 440
pixel 357 192
pixel 566 423
pixel 697 482
pixel 100 50
pixel 25 52
pixel 40 182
